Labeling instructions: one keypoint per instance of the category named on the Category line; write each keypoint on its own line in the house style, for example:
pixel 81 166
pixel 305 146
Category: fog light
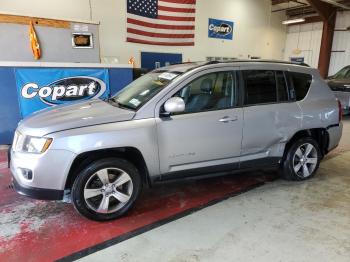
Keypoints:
pixel 26 173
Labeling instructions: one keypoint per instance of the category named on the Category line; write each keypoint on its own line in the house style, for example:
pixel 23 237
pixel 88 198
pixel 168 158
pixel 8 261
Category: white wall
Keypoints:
pixel 341 43
pixel 307 39
pixel 257 32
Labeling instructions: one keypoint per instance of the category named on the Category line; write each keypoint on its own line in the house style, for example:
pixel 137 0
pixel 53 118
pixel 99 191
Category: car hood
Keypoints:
pixel 76 115
pixel 339 84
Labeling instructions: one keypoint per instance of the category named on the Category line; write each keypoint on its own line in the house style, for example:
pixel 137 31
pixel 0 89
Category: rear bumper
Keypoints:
pixel 335 133
pixel 37 193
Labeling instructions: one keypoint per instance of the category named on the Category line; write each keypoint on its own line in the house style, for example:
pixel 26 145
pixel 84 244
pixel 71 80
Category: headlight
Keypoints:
pixel 36 145
pixel 31 144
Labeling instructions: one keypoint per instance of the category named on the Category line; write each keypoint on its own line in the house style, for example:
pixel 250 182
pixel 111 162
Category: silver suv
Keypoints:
pixel 186 120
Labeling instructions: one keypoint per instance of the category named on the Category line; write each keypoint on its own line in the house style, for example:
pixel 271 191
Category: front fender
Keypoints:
pixel 140 134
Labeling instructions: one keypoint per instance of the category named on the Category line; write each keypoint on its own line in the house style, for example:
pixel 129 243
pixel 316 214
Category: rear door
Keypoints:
pixel 270 116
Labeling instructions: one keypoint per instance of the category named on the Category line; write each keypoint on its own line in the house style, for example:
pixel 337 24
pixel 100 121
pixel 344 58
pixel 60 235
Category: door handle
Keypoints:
pixel 227 119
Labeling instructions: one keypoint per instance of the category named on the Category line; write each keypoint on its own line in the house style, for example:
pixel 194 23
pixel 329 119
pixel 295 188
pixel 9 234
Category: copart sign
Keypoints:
pixel 220 29
pixel 40 88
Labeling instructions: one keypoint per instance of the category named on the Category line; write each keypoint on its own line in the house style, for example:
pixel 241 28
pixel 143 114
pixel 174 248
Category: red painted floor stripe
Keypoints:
pixel 3 156
pixel 44 231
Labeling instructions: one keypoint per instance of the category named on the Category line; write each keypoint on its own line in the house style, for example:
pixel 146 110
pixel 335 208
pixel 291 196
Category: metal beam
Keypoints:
pixel 328 13
pixel 323 9
pixel 301 11
pixel 277 2
pixel 337 4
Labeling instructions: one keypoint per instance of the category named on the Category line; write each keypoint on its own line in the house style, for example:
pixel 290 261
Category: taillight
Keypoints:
pixel 340 108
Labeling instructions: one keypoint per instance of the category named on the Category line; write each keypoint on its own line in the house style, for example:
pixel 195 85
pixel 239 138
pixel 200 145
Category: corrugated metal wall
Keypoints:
pixel 341 43
pixel 306 38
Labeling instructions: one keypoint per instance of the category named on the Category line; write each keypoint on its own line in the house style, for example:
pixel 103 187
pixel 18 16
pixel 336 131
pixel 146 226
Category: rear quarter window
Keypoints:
pixel 301 83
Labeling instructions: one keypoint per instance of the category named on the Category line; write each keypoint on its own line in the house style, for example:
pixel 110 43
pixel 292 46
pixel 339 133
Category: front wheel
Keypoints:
pixel 106 189
pixel 302 160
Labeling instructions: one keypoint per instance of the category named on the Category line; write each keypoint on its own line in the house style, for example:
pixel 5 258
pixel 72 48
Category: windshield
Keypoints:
pixel 138 92
pixel 343 73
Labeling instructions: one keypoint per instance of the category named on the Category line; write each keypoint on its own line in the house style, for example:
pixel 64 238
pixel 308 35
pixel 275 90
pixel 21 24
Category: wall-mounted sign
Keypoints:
pixel 40 88
pixel 297 59
pixel 82 40
pixel 220 29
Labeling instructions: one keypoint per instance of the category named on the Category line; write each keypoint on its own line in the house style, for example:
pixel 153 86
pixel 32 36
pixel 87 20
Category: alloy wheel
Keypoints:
pixel 108 190
pixel 305 160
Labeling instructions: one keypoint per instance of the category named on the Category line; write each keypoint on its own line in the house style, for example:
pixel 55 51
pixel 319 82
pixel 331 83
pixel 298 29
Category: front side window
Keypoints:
pixel 260 87
pixel 138 92
pixel 301 83
pixel 213 91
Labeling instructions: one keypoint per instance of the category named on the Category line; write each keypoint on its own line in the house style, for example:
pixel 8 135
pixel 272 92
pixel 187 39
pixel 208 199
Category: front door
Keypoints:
pixel 207 136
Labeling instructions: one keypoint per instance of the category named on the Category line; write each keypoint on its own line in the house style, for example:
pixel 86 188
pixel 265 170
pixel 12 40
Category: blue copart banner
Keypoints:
pixel 221 29
pixel 40 88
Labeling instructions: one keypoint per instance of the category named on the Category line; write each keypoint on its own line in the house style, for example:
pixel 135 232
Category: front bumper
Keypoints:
pixel 37 193
pixel 49 172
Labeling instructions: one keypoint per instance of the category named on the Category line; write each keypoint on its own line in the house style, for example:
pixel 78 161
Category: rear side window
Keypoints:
pixel 260 87
pixel 301 83
pixel 282 90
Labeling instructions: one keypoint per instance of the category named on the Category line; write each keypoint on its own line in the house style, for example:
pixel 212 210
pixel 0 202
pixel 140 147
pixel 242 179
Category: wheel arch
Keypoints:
pixel 131 154
pixel 320 135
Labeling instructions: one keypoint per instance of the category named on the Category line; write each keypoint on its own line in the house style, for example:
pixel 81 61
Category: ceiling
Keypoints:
pixel 302 8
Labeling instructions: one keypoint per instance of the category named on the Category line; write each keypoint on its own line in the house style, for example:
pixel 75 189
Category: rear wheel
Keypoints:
pixel 302 160
pixel 106 189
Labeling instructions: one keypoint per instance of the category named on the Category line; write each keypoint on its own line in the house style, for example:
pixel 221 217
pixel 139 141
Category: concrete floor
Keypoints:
pixel 280 221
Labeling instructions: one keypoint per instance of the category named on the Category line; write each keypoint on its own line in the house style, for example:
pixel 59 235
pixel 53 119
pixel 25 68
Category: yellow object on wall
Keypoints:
pixel 132 61
pixel 34 43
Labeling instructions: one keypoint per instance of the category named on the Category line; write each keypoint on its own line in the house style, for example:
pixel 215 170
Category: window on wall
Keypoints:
pixel 260 87
pixel 213 91
pixel 301 83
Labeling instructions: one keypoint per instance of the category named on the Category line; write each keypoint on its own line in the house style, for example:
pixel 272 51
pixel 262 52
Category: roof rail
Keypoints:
pixel 257 60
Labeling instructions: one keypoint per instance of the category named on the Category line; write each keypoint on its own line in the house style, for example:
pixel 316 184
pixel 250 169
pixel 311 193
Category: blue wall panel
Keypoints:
pixel 119 78
pixel 149 59
pixel 9 108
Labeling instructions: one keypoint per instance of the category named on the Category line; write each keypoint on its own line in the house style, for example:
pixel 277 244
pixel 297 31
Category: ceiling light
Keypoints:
pixel 293 21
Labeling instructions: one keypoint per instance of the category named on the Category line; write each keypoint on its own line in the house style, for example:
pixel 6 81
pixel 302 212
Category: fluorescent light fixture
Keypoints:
pixel 293 21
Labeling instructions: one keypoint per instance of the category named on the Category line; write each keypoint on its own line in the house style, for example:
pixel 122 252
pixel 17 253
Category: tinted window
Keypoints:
pixel 213 91
pixel 260 87
pixel 281 87
pixel 301 83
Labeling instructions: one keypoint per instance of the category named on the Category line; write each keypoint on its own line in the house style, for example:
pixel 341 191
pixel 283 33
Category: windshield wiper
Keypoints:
pixel 125 106
pixel 114 102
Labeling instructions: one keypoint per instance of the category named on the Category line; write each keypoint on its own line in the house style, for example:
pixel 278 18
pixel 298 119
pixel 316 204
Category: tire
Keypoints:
pixel 106 189
pixel 302 160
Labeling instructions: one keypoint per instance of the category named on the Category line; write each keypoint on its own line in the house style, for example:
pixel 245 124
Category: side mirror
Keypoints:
pixel 174 105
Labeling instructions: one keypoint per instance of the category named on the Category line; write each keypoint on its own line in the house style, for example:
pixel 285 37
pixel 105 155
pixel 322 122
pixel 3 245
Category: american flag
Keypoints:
pixel 161 22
